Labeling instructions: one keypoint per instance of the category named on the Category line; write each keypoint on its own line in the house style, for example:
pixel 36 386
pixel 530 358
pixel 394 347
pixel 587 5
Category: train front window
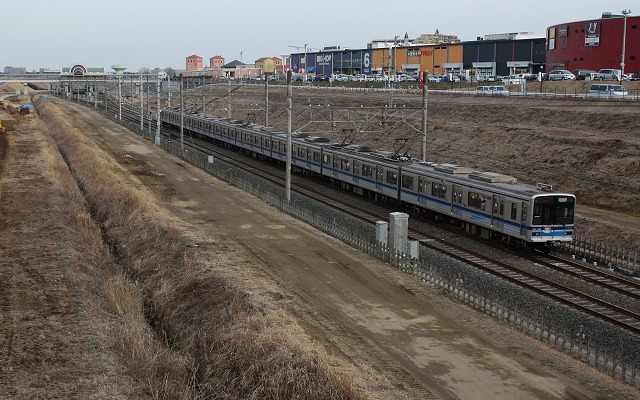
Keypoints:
pixel 553 210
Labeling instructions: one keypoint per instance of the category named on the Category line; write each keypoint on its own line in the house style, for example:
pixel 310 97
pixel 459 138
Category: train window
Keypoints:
pixel 477 200
pixel 392 177
pixel 514 211
pixel 345 165
pixel 326 159
pixel 301 152
pixel 495 206
pixel 316 156
pixel 438 190
pixel 457 194
pixel 267 143
pixel 407 182
pixel 367 171
pixel 553 210
pixel 356 167
pixel 379 174
pixel 525 209
pixel 335 162
pixel 422 185
pixel 502 207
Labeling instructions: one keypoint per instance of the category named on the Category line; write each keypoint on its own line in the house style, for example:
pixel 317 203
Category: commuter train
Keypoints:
pixel 486 203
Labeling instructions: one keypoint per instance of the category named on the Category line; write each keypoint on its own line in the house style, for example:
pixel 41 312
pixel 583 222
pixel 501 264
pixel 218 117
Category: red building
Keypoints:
pixel 193 62
pixel 594 44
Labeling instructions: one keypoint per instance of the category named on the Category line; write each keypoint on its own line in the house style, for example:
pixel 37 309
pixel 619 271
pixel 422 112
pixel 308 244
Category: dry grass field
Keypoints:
pixel 90 304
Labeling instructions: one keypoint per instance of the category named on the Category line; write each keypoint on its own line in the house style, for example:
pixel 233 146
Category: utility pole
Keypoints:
pixel 120 98
pixel 105 95
pixel 158 82
pixel 289 110
pixel 229 98
pixel 423 155
pixel 266 99
pixel 181 117
pixel 141 104
pixel 392 57
pixel 624 41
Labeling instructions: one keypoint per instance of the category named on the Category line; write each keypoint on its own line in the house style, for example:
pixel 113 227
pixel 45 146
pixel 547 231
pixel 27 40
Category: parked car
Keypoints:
pixel 609 75
pixel 635 76
pixel 560 75
pixel 449 78
pixel 584 74
pixel 512 80
pixel 492 90
pixel 605 91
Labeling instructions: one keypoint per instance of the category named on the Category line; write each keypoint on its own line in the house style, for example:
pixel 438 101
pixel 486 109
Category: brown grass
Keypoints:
pixel 210 336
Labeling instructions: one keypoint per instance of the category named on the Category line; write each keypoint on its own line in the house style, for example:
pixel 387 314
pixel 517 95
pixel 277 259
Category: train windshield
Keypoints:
pixel 553 210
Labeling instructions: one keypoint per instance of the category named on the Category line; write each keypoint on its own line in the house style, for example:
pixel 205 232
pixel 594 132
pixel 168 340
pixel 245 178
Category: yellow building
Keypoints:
pixel 269 65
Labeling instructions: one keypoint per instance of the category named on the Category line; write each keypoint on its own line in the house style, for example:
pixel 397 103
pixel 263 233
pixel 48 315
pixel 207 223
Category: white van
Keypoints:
pixel 609 75
pixel 605 91
pixel 493 90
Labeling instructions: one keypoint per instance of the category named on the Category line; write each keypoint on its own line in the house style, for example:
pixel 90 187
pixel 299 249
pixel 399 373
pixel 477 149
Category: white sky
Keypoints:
pixel 161 33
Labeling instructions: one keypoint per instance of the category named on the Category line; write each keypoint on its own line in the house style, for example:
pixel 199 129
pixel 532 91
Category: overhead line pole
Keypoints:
pixel 141 104
pixel 289 108
pixel 158 82
pixel 181 117
pixel 423 151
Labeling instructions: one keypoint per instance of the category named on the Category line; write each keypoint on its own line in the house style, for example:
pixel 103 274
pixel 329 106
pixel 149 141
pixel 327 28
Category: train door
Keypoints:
pixel 336 167
pixel 379 178
pixel 356 172
pixel 456 200
pixel 524 211
pixel 422 190
pixel 497 213
pixel 326 164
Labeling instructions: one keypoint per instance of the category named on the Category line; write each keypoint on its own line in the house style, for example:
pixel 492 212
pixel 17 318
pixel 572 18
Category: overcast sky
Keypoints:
pixel 161 33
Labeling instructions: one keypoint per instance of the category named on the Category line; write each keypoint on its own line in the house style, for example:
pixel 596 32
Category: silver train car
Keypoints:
pixel 486 203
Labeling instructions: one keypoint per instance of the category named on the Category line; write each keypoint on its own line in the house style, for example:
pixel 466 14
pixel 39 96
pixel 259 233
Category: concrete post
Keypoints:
pixel 399 231
pixel 382 232
pixel 412 249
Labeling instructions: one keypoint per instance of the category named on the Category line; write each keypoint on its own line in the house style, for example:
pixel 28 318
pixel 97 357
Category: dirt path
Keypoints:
pixel 358 308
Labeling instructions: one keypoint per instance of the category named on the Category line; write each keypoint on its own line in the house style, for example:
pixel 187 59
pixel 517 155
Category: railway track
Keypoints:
pixel 609 298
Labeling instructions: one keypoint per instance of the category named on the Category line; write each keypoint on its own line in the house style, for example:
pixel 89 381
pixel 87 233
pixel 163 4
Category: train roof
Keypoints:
pixel 471 177
pixel 366 152
pixel 450 172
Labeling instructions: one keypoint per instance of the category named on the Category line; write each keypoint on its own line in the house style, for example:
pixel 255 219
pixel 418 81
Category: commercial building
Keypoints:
pixel 481 57
pixel 594 44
